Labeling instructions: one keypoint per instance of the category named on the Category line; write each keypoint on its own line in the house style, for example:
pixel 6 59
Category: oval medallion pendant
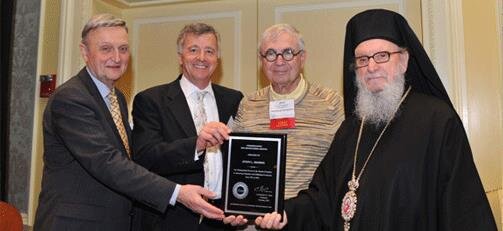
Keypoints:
pixel 348 206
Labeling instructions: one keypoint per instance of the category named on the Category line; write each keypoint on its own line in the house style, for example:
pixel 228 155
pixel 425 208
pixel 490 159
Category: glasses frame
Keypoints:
pixel 373 55
pixel 282 54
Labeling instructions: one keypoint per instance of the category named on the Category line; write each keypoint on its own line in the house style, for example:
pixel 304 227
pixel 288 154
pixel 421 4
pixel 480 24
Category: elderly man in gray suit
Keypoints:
pixel 89 180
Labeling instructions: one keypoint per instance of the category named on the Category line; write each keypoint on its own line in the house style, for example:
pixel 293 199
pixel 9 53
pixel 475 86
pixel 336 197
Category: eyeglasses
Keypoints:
pixel 379 57
pixel 287 54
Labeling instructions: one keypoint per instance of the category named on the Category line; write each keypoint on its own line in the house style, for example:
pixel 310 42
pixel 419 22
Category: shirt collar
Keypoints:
pixel 102 88
pixel 296 94
pixel 189 88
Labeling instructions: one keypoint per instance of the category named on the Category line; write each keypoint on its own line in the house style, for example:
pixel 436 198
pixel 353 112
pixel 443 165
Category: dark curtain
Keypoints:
pixel 6 33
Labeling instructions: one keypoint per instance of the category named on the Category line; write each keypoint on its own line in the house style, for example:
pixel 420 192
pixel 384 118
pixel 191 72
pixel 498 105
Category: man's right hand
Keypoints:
pixel 193 197
pixel 213 133
pixel 271 221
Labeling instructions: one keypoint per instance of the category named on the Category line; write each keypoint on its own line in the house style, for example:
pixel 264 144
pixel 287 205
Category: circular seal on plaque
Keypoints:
pixel 240 190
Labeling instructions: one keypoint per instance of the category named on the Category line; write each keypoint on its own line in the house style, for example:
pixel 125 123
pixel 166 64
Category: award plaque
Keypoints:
pixel 254 173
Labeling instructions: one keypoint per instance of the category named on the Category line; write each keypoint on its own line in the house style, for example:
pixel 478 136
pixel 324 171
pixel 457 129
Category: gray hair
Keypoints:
pixel 102 20
pixel 197 29
pixel 379 107
pixel 275 31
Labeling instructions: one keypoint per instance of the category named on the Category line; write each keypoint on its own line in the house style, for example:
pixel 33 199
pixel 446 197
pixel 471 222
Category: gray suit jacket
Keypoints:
pixel 88 181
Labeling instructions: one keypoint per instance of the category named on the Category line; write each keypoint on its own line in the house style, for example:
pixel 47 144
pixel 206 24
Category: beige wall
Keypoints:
pixel 240 22
pixel 322 23
pixel 49 41
pixel 153 31
pixel 484 81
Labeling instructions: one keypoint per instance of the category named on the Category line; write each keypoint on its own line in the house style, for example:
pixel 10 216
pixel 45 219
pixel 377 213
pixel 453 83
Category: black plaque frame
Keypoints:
pixel 254 168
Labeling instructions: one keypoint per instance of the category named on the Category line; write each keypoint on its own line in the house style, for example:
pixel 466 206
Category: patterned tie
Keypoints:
pixel 199 112
pixel 116 115
pixel 199 120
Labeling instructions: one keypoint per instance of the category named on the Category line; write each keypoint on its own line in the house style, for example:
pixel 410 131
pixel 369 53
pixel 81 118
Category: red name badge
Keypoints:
pixel 282 123
pixel 282 114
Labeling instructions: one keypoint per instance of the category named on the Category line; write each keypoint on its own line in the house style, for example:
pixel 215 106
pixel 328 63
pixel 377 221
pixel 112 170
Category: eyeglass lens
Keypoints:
pixel 379 57
pixel 271 55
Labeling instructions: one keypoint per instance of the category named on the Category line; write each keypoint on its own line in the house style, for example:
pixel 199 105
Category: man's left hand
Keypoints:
pixel 235 220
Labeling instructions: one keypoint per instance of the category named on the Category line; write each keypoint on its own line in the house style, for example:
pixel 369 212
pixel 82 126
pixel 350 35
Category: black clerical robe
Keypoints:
pixel 420 177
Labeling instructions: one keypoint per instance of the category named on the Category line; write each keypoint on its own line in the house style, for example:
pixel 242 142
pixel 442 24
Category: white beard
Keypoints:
pixel 378 108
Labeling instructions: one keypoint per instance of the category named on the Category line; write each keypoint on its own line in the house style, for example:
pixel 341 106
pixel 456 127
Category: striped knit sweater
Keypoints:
pixel 318 113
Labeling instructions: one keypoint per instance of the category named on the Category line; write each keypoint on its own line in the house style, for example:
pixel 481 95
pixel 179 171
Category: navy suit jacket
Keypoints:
pixel 88 180
pixel 164 141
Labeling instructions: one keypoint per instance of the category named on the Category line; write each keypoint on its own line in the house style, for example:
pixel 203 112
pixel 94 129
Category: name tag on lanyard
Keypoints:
pixel 282 114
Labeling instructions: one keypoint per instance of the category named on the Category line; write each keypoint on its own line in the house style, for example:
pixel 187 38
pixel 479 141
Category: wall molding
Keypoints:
pixel 443 39
pixel 74 15
pixel 66 38
pixel 280 10
pixel 235 15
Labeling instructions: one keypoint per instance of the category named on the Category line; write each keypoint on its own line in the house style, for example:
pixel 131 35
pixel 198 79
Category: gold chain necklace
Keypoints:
pixel 348 206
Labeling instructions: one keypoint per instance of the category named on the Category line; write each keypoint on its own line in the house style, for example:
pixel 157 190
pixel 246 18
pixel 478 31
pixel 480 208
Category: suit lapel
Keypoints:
pixel 93 90
pixel 179 107
pixel 222 105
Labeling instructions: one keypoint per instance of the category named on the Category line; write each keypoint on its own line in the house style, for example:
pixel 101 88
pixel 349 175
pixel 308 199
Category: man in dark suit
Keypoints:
pixel 89 179
pixel 169 137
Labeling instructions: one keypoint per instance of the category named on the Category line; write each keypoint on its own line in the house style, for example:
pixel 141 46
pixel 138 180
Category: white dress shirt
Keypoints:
pixel 213 171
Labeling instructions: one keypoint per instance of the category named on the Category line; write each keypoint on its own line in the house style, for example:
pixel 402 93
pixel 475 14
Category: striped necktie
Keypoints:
pixel 199 112
pixel 117 117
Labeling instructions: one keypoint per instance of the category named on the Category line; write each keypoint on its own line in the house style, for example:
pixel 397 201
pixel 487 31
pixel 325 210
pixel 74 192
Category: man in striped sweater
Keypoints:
pixel 315 112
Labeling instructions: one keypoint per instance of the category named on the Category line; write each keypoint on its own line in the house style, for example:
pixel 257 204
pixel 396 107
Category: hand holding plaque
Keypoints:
pixel 254 173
